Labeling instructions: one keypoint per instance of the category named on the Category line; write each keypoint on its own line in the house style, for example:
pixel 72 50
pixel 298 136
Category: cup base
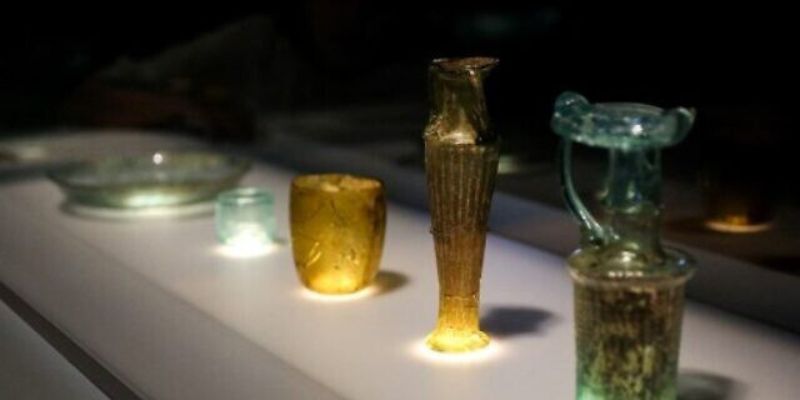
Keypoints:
pixel 333 284
pixel 333 290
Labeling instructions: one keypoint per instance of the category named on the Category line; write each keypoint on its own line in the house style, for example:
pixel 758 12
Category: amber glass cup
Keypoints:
pixel 338 223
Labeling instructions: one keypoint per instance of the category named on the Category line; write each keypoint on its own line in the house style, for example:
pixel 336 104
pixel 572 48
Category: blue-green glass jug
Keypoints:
pixel 628 288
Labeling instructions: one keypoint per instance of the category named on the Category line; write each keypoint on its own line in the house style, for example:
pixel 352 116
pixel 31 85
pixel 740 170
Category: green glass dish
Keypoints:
pixel 161 179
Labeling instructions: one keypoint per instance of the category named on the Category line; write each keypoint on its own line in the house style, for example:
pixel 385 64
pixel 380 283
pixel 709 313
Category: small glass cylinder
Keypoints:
pixel 244 218
pixel 337 223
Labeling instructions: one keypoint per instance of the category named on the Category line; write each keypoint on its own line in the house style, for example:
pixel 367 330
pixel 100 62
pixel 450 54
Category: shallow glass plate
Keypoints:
pixel 160 179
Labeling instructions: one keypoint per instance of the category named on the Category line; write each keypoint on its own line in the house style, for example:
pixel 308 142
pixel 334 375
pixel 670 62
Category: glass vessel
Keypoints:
pixel 337 224
pixel 160 179
pixel 461 155
pixel 628 288
pixel 244 218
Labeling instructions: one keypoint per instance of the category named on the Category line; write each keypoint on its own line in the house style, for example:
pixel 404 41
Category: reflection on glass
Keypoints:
pixel 161 179
pixel 492 351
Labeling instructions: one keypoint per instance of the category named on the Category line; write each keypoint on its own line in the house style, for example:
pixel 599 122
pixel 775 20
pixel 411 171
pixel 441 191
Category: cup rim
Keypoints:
pixel 337 182
pixel 245 195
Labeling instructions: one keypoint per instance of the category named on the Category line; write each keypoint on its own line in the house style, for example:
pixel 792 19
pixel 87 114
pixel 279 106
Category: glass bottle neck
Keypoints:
pixel 632 199
pixel 458 109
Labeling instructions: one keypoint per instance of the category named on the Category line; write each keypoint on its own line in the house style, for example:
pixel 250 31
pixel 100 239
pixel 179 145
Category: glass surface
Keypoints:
pixel 628 288
pixel 461 157
pixel 245 218
pixel 337 223
pixel 154 180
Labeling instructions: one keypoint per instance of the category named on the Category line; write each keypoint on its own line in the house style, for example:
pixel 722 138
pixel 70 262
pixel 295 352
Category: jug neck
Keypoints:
pixel 458 109
pixel 632 199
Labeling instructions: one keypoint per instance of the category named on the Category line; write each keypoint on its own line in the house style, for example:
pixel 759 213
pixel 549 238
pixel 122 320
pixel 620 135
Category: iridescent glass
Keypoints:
pixel 628 288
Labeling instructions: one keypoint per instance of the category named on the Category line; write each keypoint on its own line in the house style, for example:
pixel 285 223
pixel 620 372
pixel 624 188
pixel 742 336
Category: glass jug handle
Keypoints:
pixel 592 231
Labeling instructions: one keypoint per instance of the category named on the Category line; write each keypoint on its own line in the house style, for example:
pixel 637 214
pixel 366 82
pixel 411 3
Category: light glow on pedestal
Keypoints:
pixel 486 354
pixel 309 294
pixel 444 340
pixel 457 324
pixel 333 283
pixel 247 235
pixel 246 250
pixel 247 241
pixel 737 226
pixel 150 199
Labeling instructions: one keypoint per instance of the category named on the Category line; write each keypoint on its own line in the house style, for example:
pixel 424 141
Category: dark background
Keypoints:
pixel 733 63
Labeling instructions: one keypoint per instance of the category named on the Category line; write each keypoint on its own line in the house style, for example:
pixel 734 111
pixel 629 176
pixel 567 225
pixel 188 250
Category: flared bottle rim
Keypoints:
pixel 337 182
pixel 458 65
pixel 619 125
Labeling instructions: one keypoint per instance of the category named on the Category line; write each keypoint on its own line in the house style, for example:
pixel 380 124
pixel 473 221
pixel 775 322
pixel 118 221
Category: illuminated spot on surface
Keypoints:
pixel 246 250
pixel 247 235
pixel 335 283
pixel 736 227
pixel 491 352
pixel 308 294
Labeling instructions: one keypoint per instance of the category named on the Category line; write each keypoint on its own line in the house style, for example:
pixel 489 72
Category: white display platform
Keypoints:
pixel 162 307
pixel 32 369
